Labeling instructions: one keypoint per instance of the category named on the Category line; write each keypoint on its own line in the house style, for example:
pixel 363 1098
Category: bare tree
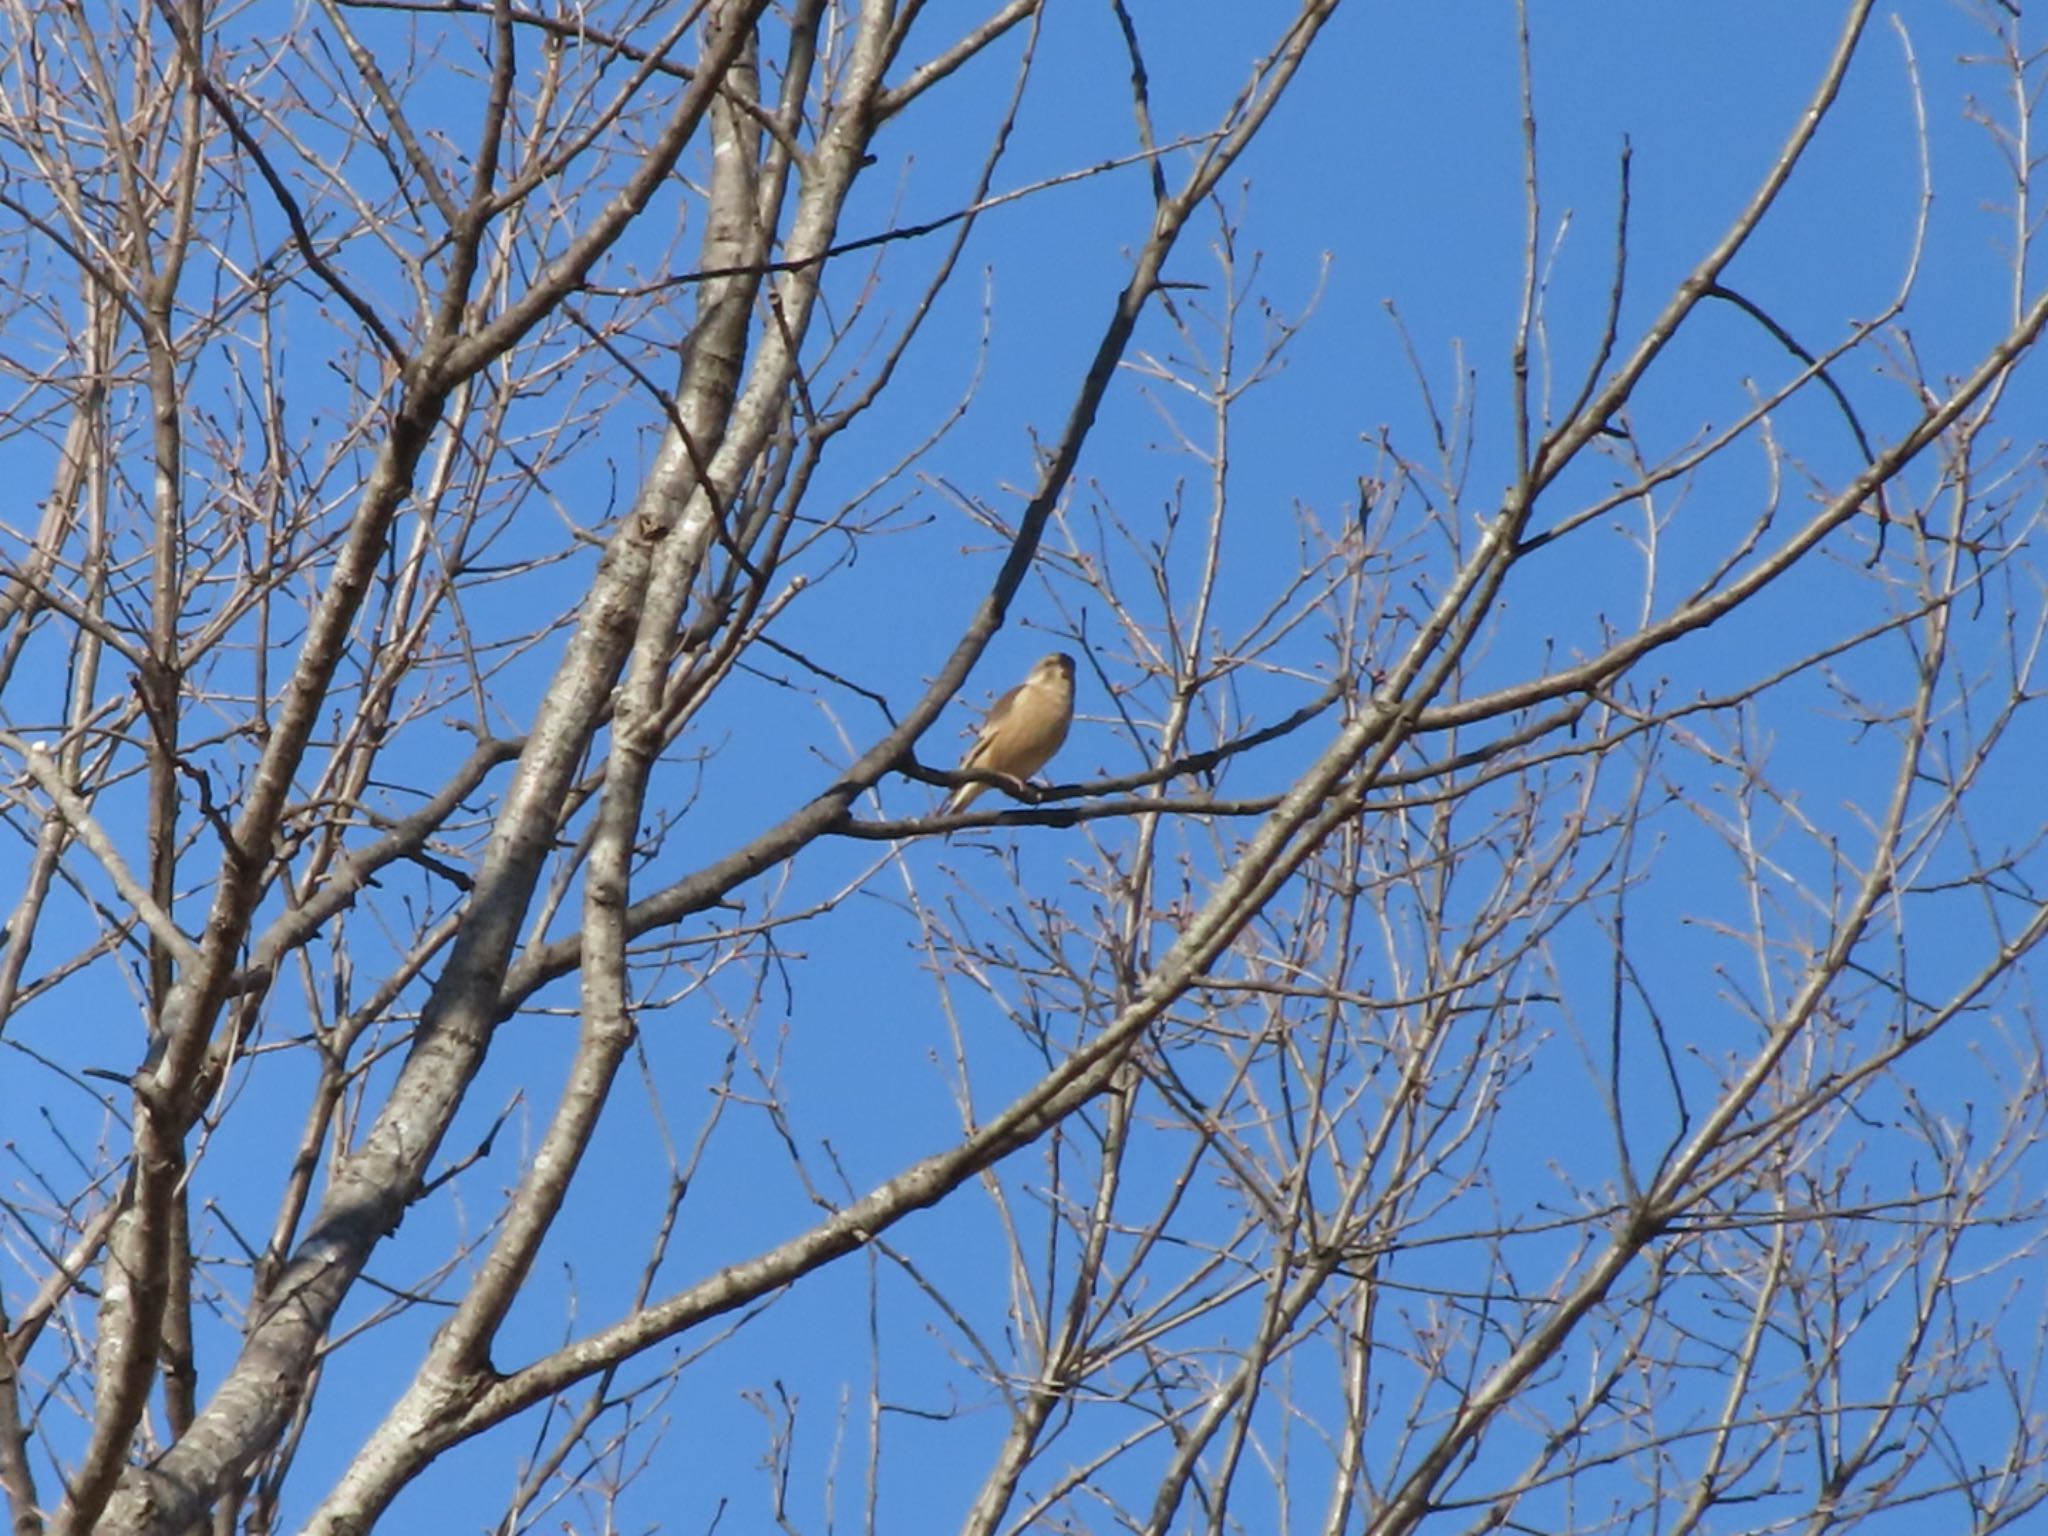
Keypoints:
pixel 1517 1015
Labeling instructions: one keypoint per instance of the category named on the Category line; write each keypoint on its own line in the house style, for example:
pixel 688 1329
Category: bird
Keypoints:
pixel 1023 729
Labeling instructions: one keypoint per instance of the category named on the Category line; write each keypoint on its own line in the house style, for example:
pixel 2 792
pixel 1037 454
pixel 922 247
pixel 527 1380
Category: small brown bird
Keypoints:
pixel 1023 729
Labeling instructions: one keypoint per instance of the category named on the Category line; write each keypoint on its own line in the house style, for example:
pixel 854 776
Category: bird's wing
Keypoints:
pixel 991 723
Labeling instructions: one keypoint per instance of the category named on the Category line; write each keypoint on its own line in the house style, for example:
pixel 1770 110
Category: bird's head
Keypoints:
pixel 1056 668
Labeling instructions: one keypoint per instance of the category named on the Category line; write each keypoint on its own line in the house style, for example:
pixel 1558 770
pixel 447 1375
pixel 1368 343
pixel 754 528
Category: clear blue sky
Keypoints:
pixel 1391 175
